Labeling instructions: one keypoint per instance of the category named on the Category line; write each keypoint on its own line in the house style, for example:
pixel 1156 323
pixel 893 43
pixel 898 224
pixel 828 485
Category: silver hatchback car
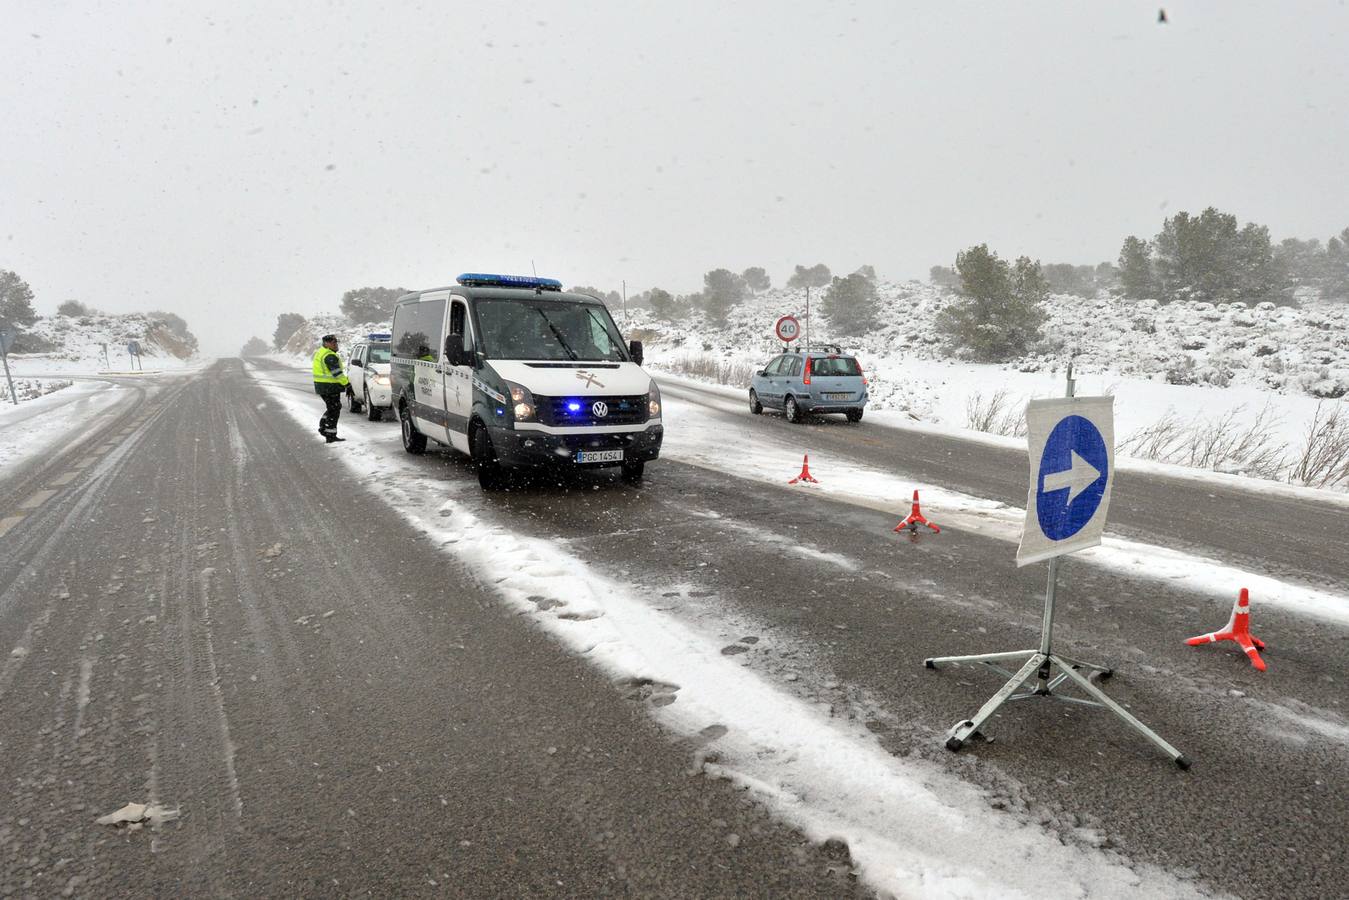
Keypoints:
pixel 811 382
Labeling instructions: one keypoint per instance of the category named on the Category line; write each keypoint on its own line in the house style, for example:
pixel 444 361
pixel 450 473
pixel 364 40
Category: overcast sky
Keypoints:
pixel 228 162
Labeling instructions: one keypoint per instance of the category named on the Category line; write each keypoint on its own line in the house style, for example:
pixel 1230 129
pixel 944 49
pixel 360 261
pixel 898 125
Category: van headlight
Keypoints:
pixel 522 402
pixel 653 401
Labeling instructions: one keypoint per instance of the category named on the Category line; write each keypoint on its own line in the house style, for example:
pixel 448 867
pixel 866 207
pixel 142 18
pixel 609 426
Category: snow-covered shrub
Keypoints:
pixel 995 414
pixel 1323 384
pixel 1324 458
pixel 1182 371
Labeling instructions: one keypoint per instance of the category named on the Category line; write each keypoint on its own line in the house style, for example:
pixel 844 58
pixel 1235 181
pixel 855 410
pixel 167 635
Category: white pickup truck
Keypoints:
pixel 368 371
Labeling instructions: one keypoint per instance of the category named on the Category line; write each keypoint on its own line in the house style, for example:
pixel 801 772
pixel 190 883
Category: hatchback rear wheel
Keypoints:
pixel 854 415
pixel 793 410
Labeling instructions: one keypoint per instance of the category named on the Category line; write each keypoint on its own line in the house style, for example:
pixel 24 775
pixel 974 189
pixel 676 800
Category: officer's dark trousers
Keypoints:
pixel 333 400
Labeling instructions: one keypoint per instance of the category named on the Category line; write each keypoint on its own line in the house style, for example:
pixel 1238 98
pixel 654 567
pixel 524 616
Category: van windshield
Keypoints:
pixel 548 330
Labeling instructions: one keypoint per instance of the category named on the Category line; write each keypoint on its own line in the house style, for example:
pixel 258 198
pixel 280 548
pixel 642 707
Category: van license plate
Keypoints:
pixel 599 456
pixel 838 396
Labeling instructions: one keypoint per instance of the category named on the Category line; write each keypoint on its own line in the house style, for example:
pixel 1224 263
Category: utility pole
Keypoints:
pixel 807 318
pixel 625 303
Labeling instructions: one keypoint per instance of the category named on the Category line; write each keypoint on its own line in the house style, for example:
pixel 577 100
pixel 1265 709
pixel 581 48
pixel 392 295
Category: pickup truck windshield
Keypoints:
pixel 379 353
pixel 545 329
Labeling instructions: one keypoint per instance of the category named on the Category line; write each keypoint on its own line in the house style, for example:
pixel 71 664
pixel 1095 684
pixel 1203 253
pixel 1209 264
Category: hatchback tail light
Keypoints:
pixel 806 380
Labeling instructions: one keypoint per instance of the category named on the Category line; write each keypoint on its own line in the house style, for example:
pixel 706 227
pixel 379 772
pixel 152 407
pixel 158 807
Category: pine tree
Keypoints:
pixel 1135 269
pixel 998 315
pixel 16 300
pixel 851 305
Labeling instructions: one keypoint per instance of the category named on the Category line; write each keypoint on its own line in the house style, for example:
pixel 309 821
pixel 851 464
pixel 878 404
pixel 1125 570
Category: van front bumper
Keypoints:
pixel 539 448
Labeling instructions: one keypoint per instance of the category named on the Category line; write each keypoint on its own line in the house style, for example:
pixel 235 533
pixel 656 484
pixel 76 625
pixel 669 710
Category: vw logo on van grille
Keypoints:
pixel 600 409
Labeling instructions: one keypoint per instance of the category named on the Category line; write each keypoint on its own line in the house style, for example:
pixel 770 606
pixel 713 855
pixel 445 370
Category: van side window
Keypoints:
pixel 417 330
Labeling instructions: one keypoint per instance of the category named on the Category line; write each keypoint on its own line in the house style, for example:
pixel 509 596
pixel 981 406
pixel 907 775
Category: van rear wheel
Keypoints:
pixel 414 441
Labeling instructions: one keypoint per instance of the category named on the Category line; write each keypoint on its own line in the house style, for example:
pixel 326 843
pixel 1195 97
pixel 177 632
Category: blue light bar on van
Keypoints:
pixel 478 279
pixel 379 336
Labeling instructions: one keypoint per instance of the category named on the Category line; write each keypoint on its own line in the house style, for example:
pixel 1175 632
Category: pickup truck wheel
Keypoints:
pixel 373 412
pixel 353 404
pixel 632 471
pixel 414 441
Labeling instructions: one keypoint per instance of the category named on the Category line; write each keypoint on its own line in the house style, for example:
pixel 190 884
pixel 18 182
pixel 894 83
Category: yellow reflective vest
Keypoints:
pixel 322 375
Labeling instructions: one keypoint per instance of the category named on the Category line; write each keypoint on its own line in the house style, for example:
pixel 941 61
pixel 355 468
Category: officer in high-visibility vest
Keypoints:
pixel 329 381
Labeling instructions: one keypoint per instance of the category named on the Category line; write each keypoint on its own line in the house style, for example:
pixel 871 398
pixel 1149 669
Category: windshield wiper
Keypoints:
pixel 557 334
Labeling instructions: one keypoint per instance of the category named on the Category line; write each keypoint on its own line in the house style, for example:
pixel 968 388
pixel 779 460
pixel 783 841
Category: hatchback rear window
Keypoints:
pixel 834 365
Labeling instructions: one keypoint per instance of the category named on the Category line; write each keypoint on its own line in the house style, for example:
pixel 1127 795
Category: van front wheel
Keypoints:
pixel 414 441
pixel 491 474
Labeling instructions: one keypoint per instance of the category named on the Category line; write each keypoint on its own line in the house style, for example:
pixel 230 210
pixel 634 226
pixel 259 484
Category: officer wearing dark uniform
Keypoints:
pixel 329 381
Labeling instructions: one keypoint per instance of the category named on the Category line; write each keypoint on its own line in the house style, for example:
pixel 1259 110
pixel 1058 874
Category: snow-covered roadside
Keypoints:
pixel 42 365
pixel 693 436
pixel 735 400
pixel 28 389
pixel 33 428
pixel 911 827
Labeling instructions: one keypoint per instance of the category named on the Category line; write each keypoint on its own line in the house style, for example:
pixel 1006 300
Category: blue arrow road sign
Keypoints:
pixel 1073 475
pixel 1071 449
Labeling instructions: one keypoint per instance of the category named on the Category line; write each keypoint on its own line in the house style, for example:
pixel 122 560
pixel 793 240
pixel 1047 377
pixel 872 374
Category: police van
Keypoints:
pixel 514 372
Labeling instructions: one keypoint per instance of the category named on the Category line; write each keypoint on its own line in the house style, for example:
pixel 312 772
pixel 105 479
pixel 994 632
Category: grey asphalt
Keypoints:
pixel 1261 813
pixel 368 745
pixel 1287 537
pixel 200 609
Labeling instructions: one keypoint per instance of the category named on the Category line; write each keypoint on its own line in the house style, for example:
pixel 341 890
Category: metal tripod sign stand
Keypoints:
pixel 1071 473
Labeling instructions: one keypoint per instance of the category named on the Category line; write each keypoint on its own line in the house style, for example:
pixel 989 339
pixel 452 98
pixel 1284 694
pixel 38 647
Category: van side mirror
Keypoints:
pixel 635 351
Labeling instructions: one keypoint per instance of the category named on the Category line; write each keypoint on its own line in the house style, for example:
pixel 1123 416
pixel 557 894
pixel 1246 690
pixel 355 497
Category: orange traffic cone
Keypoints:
pixel 916 518
pixel 805 472
pixel 1238 629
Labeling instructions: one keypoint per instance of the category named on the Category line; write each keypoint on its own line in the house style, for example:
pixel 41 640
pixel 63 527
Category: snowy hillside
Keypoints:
pixel 75 345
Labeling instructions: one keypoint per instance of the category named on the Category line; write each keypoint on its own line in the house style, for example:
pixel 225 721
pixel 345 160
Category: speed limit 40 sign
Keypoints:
pixel 787 328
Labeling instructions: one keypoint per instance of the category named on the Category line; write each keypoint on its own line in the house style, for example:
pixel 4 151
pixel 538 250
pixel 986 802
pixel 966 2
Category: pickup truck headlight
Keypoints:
pixel 382 380
pixel 653 401
pixel 522 401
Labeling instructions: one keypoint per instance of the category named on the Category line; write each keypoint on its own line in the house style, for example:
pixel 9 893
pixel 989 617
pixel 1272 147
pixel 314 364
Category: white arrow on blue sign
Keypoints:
pixel 1072 467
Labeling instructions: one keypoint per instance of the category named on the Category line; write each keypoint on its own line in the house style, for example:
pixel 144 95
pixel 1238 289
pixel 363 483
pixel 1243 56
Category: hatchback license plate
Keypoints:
pixel 838 396
pixel 599 456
